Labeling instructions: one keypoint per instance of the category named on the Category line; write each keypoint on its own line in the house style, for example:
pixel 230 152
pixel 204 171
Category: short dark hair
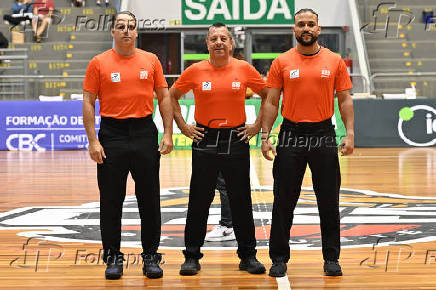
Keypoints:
pixel 114 18
pixel 218 25
pixel 304 10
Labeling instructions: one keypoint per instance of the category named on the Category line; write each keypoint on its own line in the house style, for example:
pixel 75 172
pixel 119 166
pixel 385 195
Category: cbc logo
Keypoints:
pixel 24 142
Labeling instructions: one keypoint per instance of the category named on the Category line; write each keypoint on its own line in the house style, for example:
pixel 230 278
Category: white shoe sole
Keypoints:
pixel 220 239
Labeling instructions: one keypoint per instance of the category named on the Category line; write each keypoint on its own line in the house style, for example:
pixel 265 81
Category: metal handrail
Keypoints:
pixel 401 74
pixel 14 49
pixel 40 77
pixel 22 57
pixel 419 74
pixel 359 41
pixel 366 81
pixel 13 57
pixel 58 76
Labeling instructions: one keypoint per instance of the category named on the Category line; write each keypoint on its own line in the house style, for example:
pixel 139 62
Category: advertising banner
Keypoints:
pixel 45 126
pixel 395 123
pixel 41 126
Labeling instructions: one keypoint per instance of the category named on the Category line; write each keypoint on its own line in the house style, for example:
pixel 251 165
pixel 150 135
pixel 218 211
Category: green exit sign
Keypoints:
pixel 238 12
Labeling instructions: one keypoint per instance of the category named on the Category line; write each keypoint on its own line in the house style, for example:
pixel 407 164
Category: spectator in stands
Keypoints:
pixel 4 43
pixel 78 3
pixel 98 2
pixel 22 6
pixel 42 11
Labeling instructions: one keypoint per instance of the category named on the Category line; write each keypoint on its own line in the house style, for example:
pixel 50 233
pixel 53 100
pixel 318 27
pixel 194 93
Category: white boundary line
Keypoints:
pixel 253 175
pixel 283 283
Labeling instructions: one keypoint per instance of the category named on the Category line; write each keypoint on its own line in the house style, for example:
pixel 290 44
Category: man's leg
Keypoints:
pixel 44 23
pixel 226 213
pixel 224 230
pixel 112 178
pixel 288 172
pixel 201 194
pixel 236 173
pixel 145 164
pixel 326 179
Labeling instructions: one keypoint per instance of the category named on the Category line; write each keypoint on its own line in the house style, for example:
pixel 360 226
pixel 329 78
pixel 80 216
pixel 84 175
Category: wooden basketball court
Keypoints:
pixel 389 195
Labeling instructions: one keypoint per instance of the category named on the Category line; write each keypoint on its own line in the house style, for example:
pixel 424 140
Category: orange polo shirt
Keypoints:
pixel 309 83
pixel 124 84
pixel 219 92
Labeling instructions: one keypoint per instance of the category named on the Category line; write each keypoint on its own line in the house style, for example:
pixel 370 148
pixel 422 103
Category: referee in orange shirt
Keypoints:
pixel 308 75
pixel 220 145
pixel 124 79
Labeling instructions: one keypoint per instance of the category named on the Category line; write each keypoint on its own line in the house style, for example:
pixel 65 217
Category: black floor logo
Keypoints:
pixel 366 216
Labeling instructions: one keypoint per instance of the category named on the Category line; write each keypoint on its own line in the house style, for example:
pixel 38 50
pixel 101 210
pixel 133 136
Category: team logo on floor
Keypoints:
pixel 367 217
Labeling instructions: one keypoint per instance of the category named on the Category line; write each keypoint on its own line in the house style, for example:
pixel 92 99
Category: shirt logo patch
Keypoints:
pixel 236 85
pixel 207 86
pixel 116 77
pixel 143 75
pixel 295 73
pixel 325 73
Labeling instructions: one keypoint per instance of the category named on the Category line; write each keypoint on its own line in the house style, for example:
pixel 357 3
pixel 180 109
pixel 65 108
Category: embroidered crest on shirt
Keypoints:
pixel 236 85
pixel 116 77
pixel 295 73
pixel 325 73
pixel 143 75
pixel 207 86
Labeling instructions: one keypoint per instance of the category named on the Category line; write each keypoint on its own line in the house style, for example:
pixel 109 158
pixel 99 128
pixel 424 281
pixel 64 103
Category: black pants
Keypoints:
pixel 220 151
pixel 226 213
pixel 131 146
pixel 300 144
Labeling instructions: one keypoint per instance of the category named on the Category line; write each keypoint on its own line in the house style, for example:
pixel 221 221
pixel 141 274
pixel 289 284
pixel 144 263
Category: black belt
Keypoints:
pixel 288 125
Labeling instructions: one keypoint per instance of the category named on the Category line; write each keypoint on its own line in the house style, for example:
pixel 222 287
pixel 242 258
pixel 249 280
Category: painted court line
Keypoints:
pixel 283 283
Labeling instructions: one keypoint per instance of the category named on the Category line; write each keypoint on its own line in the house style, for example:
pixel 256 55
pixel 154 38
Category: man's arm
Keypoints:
pixel 270 110
pixel 96 151
pixel 190 131
pixel 345 103
pixel 166 111
pixel 249 131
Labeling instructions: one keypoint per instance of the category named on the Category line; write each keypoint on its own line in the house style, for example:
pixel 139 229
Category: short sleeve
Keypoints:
pixel 254 79
pixel 159 78
pixel 186 80
pixel 91 83
pixel 342 80
pixel 275 78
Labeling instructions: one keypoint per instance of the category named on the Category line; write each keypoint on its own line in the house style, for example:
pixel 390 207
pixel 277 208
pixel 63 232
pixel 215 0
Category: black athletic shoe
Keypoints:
pixel 114 269
pixel 278 269
pixel 251 265
pixel 332 268
pixel 151 267
pixel 190 267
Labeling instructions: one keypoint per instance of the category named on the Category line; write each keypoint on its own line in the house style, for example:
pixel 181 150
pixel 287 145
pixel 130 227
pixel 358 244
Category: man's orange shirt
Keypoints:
pixel 124 84
pixel 309 83
pixel 219 92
